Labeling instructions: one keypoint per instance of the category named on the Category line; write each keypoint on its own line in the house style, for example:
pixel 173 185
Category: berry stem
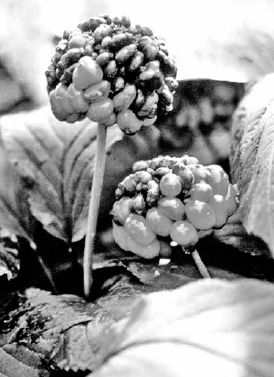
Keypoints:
pixel 200 264
pixel 97 183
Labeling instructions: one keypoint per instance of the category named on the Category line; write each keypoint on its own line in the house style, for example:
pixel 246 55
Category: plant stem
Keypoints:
pixel 47 274
pixel 200 264
pixel 97 183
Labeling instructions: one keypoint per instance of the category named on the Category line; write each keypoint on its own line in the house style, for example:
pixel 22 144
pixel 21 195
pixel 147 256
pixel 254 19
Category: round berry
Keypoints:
pixel 128 121
pixel 149 251
pixel 158 222
pixel 101 110
pixel 219 206
pixel 173 208
pixel 201 191
pixel 184 233
pixel 200 214
pixel 120 236
pixel 139 230
pixel 170 185
pixel 218 179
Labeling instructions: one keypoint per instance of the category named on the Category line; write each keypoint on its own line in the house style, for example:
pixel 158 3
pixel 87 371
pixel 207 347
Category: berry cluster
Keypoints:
pixel 169 200
pixel 111 72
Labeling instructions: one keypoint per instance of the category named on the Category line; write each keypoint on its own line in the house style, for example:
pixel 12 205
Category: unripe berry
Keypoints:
pixel 158 222
pixel 173 208
pixel 184 233
pixel 121 209
pixel 170 185
pixel 138 229
pixel 186 175
pixel 200 172
pixel 200 214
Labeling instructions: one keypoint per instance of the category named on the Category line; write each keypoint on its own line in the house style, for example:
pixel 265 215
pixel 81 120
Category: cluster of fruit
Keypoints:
pixel 169 201
pixel 202 114
pixel 111 72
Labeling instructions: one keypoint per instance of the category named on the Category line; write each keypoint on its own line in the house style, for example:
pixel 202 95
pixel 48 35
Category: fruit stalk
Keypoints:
pixel 200 264
pixel 94 204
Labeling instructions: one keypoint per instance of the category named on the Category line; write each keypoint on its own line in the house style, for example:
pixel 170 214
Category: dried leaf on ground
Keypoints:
pixel 56 161
pixel 209 328
pixel 41 331
pixel 9 259
pixel 252 159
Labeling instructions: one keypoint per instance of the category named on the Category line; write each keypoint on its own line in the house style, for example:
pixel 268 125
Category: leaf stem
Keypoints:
pixel 97 184
pixel 200 264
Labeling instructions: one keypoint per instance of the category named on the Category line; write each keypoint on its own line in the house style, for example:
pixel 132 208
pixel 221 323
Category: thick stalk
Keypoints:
pixel 200 264
pixel 97 183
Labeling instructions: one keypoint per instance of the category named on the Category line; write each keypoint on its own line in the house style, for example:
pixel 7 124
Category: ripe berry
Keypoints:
pixel 139 230
pixel 218 179
pixel 149 251
pixel 158 222
pixel 184 233
pixel 120 236
pixel 170 185
pixel 200 214
pixel 200 172
pixel 201 191
pixel 172 208
pixel 219 206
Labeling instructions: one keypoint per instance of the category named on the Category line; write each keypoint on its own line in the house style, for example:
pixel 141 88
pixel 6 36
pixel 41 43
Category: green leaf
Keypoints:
pixel 208 328
pixel 56 160
pixel 252 160
pixel 15 215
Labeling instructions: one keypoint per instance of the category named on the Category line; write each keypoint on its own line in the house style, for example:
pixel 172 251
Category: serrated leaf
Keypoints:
pixel 15 215
pixel 56 159
pixel 252 160
pixel 208 328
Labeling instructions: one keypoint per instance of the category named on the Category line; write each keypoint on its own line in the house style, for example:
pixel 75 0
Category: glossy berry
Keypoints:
pixel 218 179
pixel 158 222
pixel 120 236
pixel 201 191
pixel 170 185
pixel 149 251
pixel 139 230
pixel 158 212
pixel 200 214
pixel 173 208
pixel 219 206
pixel 184 233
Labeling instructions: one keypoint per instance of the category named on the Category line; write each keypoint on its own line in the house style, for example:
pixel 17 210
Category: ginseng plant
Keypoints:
pixel 168 202
pixel 113 73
